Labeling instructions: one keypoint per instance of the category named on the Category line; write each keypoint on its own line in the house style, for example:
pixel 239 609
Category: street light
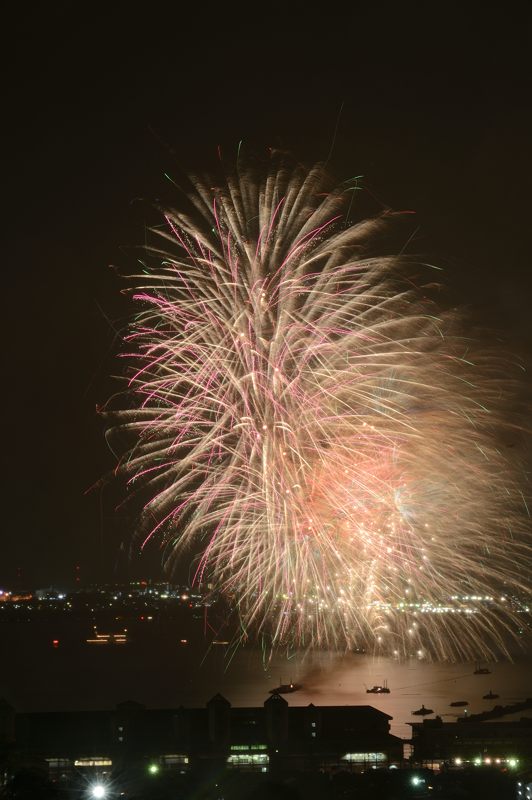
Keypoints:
pixel 98 790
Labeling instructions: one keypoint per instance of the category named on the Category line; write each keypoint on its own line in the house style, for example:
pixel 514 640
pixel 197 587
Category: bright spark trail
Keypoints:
pixel 302 416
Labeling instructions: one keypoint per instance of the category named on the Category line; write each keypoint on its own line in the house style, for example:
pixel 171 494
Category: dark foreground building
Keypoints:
pixel 472 742
pixel 273 738
pixel 223 753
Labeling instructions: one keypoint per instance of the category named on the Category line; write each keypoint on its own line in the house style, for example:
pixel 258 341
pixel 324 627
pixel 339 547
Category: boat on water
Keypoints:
pixel 490 696
pixel 481 670
pixel 421 712
pixel 286 688
pixel 118 637
pixel 459 703
pixel 379 689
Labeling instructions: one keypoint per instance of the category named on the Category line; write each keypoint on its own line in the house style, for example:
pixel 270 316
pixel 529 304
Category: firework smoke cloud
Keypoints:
pixel 306 425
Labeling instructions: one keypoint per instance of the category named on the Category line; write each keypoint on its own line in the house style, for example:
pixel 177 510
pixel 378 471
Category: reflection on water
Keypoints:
pixel 167 674
pixel 342 680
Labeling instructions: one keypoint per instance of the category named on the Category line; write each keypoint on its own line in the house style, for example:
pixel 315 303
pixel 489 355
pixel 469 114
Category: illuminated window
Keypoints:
pixel 174 759
pixel 361 758
pixel 59 763
pixel 95 761
pixel 250 760
pixel 247 747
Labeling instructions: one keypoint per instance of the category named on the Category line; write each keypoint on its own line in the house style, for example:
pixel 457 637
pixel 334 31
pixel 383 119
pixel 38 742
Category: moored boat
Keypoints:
pixel 421 712
pixel 379 689
pixel 286 688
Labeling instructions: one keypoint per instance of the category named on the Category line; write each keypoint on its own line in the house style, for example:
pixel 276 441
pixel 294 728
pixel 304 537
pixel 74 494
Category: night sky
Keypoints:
pixel 430 102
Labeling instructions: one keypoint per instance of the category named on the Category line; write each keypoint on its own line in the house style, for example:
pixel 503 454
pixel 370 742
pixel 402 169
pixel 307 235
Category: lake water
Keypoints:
pixel 167 674
pixel 330 679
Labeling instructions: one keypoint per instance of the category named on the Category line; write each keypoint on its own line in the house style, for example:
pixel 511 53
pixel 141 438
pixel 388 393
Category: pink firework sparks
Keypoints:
pixel 304 418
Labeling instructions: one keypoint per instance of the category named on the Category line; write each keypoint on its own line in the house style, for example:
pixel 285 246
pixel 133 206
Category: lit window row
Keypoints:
pixel 361 758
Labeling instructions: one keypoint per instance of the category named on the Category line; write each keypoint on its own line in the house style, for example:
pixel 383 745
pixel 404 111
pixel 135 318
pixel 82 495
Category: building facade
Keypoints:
pixel 469 741
pixel 272 738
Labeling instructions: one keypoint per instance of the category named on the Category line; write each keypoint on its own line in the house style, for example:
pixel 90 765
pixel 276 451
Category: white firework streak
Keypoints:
pixel 305 419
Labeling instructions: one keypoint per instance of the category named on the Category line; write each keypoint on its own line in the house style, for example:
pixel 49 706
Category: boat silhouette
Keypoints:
pixel 421 712
pixel 459 703
pixel 108 638
pixel 481 670
pixel 286 688
pixel 379 689
pixel 490 696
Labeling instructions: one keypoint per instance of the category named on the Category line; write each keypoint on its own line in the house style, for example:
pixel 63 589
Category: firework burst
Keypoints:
pixel 303 418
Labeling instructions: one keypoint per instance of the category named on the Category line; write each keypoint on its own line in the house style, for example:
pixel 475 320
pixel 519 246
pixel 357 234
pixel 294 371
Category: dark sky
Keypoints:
pixel 100 101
